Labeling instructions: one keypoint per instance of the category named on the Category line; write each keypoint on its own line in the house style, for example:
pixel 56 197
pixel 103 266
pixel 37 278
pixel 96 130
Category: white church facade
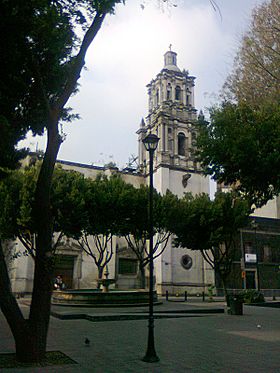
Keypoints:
pixel 171 116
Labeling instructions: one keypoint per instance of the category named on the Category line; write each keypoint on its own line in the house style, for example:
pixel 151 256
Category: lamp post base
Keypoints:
pixel 151 358
pixel 151 355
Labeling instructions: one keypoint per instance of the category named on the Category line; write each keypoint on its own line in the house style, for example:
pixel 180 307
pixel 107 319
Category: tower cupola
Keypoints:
pixel 170 61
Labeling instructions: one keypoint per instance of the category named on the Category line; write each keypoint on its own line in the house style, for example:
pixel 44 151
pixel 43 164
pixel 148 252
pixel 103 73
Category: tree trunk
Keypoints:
pixel 225 288
pixel 9 305
pixel 31 335
pixel 142 277
pixel 100 275
pixel 39 315
pixel 20 327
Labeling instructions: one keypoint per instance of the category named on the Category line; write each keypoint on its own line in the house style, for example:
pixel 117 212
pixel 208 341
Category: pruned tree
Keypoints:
pixel 211 227
pixel 102 219
pixel 17 192
pixel 136 225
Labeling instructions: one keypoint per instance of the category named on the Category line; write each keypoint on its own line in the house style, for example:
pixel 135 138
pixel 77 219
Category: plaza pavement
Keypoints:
pixel 196 342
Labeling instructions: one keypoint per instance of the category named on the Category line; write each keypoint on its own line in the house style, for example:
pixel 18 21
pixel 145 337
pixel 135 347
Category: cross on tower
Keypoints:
pixel 170 46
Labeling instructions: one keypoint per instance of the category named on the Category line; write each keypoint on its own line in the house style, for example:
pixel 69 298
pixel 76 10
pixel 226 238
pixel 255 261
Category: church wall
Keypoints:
pixel 270 210
pixel 170 274
pixel 196 183
pixel 21 271
pixel 88 276
pixel 89 171
pixel 135 180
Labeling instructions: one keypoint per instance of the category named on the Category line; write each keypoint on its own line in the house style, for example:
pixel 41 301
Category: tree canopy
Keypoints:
pixel 241 146
pixel 256 74
pixel 212 227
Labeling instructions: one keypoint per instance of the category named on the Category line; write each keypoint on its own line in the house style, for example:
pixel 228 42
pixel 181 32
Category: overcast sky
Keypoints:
pixel 128 53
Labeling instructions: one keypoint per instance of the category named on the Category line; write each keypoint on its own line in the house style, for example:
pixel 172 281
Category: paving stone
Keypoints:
pixel 212 343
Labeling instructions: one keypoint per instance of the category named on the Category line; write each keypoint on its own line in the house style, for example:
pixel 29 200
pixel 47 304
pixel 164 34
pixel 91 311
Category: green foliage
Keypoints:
pixel 105 201
pixel 252 296
pixel 193 224
pixel 256 75
pixel 17 193
pixel 241 145
pixel 246 296
pixel 10 205
pixel 211 227
pixel 43 45
pixel 68 202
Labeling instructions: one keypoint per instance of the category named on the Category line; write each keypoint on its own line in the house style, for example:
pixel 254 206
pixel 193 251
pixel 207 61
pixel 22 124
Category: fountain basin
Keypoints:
pixel 97 298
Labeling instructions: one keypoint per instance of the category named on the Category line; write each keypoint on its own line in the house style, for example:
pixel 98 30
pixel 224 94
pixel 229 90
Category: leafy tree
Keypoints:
pixel 102 218
pixel 17 197
pixel 256 74
pixel 240 146
pixel 49 51
pixel 211 227
pixel 136 225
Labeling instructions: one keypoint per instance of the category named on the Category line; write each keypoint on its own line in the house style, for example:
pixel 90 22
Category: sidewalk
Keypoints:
pixel 185 341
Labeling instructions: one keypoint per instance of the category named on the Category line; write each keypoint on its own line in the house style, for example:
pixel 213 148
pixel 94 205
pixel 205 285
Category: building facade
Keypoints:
pixel 257 262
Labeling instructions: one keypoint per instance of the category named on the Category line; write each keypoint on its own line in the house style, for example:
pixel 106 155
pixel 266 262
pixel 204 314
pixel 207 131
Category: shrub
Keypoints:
pixel 252 296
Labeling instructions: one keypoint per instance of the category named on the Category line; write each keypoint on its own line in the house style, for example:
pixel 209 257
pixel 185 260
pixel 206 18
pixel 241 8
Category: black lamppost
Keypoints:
pixel 151 142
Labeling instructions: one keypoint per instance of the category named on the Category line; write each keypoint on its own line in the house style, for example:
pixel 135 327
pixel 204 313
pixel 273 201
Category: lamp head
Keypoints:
pixel 151 142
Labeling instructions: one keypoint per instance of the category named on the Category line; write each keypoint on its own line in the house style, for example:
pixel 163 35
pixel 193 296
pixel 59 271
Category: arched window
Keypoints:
pixel 181 143
pixel 177 93
pixel 168 92
pixel 157 97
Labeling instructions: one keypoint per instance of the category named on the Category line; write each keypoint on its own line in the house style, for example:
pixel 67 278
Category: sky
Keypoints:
pixel 128 53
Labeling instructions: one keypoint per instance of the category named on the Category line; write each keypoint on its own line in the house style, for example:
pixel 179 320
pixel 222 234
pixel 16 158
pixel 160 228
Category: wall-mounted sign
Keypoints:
pixel 251 258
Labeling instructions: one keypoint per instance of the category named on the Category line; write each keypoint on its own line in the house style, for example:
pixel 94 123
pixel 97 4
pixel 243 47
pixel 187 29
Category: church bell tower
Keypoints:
pixel 171 117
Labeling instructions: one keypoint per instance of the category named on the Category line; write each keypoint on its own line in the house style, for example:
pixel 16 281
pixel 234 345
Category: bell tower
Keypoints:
pixel 171 117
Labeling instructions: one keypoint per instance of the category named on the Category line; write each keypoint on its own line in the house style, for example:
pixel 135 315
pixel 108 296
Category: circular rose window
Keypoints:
pixel 186 261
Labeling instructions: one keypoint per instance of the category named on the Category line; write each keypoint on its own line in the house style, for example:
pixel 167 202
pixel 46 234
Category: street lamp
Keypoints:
pixel 150 142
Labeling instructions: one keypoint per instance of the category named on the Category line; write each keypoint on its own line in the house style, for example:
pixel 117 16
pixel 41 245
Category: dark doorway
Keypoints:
pixel 250 280
pixel 64 266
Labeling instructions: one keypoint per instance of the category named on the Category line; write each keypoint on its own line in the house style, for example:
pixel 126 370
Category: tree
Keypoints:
pixel 17 192
pixel 103 216
pixel 136 225
pixel 256 74
pixel 211 227
pixel 49 55
pixel 240 146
